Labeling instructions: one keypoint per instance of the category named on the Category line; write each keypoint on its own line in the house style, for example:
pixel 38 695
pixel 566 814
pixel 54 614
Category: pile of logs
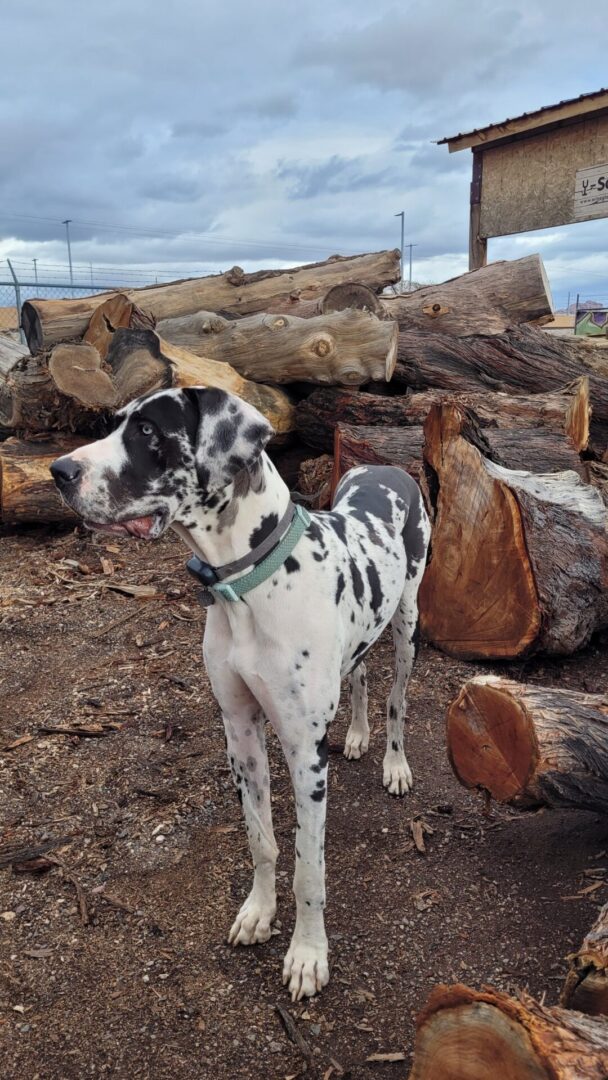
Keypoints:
pixel 504 428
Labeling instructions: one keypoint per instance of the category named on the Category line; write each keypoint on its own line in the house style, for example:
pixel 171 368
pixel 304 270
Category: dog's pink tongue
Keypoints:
pixel 139 526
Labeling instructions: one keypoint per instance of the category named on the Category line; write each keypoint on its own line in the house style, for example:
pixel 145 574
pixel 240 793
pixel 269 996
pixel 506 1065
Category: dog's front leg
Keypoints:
pixel 305 968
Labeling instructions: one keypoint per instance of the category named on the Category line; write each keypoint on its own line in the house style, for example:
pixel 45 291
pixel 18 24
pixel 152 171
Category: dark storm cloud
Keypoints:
pixel 196 136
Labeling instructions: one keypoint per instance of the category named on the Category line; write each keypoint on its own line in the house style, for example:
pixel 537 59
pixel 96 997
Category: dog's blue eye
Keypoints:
pixel 146 429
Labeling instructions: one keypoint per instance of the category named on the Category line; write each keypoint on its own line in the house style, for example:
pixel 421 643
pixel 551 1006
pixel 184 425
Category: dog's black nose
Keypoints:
pixel 65 471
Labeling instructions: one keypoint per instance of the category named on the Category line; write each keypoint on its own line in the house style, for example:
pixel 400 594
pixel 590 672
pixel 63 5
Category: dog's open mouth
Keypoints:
pixel 144 528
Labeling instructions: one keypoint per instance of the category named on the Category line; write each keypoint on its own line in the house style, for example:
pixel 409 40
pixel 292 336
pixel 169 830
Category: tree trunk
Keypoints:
pixel 529 745
pixel 465 1034
pixel 47 322
pixel 485 301
pixel 27 490
pixel 586 986
pixel 564 411
pixel 519 560
pixel 521 361
pixel 351 294
pixel 75 390
pixel 378 446
pixel 116 313
pixel 347 347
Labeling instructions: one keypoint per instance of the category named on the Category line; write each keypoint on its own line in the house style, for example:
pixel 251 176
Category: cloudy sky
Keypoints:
pixel 188 136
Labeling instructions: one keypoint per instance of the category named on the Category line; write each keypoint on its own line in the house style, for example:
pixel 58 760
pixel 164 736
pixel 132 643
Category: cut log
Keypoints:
pixel 465 1034
pixel 484 301
pixel 345 347
pixel 110 316
pixel 47 322
pixel 521 361
pixel 564 411
pixel 362 445
pixel 519 560
pixel 75 390
pixel 27 490
pixel 586 986
pixel 530 745
pixel 350 294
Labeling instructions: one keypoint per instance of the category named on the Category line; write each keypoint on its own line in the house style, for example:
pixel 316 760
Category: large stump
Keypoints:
pixel 529 745
pixel 484 301
pixel 27 490
pixel 586 986
pixel 465 1034
pixel 562 412
pixel 519 559
pixel 47 322
pixel 345 347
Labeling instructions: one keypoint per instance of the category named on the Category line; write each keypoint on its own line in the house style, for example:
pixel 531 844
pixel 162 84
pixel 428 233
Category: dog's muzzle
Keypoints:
pixel 65 471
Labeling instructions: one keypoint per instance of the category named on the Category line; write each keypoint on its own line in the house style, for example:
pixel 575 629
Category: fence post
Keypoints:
pixel 22 336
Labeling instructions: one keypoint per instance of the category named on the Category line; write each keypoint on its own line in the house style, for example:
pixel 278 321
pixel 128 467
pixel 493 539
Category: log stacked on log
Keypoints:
pixel 465 1034
pixel 519 560
pixel 27 493
pixel 47 322
pixel 529 745
pixel 586 986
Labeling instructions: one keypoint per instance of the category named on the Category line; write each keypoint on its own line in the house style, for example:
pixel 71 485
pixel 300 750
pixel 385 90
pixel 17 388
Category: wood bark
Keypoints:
pixel 346 347
pixel 565 411
pixel 355 446
pixel 350 294
pixel 314 482
pixel 465 1034
pixel 27 490
pixel 521 361
pixel 530 745
pixel 485 301
pixel 519 560
pixel 75 390
pixel 47 322
pixel 586 986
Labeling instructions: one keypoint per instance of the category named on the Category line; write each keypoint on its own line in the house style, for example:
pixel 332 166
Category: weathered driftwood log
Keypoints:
pixel 521 361
pixel 586 985
pixel 27 490
pixel 346 347
pixel 47 322
pixel 485 301
pixel 115 313
pixel 465 1034
pixel 564 411
pixel 74 389
pixel 349 294
pixel 529 745
pixel 519 560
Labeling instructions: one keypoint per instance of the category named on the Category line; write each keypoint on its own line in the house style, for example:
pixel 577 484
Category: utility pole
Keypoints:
pixel 67 235
pixel 91 265
pixel 410 246
pixel 401 214
pixel 35 261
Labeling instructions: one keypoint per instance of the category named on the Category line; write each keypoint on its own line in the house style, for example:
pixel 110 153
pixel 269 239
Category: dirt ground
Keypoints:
pixel 113 956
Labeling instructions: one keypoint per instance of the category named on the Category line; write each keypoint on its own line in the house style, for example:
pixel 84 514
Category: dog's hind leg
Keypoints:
pixel 397 775
pixel 357 736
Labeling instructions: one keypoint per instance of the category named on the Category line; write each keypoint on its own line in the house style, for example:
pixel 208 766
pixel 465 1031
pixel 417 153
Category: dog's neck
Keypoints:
pixel 235 520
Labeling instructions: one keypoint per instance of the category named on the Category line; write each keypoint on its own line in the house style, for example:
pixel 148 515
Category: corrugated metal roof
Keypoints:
pixel 524 116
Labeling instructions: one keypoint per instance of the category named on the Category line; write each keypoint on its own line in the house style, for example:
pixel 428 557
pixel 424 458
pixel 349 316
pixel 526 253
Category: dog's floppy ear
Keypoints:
pixel 227 434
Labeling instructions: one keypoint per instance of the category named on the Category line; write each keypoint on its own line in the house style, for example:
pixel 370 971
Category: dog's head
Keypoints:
pixel 169 453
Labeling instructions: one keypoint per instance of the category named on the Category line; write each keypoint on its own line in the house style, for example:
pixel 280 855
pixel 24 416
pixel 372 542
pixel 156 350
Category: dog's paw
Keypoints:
pixel 397 775
pixel 356 744
pixel 305 970
pixel 253 923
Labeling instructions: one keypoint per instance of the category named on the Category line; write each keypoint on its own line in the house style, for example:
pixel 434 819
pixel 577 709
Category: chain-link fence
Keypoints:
pixel 14 293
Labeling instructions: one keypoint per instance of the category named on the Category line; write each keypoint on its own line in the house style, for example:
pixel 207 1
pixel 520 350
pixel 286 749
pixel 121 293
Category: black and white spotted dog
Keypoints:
pixel 194 460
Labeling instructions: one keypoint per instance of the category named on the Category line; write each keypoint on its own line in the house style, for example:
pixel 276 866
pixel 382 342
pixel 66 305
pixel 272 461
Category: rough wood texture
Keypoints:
pixel 350 294
pixel 75 389
pixel 519 560
pixel 110 316
pixel 27 490
pixel 315 481
pixel 47 322
pixel 346 347
pixel 484 301
pixel 378 446
pixel 465 1034
pixel 564 411
pixel 522 361
pixel 529 745
pixel 586 986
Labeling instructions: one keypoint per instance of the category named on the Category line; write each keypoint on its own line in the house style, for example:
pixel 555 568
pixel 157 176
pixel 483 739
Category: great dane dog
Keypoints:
pixel 193 460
